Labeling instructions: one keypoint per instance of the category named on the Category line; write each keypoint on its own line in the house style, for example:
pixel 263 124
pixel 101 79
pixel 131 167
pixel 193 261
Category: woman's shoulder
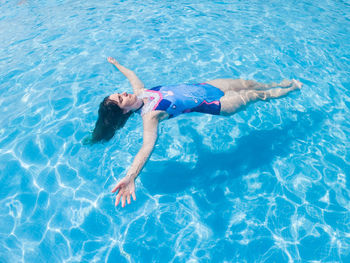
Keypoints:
pixel 139 92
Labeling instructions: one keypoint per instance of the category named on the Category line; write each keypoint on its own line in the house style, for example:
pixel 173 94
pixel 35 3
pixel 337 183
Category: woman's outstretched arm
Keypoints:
pixel 135 82
pixel 126 186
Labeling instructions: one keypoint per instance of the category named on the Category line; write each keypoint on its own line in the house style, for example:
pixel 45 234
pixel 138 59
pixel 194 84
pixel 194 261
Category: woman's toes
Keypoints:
pixel 297 83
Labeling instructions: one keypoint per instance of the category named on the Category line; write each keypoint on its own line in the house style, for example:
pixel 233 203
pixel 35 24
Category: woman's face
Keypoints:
pixel 125 101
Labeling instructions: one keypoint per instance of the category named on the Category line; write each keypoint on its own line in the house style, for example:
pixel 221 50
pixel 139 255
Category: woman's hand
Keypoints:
pixel 135 82
pixel 126 187
pixel 112 61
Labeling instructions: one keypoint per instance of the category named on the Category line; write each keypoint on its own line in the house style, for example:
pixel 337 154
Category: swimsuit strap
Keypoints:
pixel 153 99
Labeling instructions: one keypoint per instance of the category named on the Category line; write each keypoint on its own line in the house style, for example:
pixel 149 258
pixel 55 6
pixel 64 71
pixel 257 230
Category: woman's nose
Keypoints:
pixel 124 93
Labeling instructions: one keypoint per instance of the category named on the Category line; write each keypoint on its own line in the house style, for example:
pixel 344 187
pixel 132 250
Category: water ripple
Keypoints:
pixel 269 184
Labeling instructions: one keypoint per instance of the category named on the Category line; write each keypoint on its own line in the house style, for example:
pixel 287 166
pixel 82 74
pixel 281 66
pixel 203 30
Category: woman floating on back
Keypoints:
pixel 216 97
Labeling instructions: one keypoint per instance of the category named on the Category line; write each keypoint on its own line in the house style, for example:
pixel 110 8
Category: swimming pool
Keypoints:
pixel 270 184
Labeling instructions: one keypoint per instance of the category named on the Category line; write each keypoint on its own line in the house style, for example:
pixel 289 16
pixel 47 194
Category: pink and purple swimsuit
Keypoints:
pixel 183 98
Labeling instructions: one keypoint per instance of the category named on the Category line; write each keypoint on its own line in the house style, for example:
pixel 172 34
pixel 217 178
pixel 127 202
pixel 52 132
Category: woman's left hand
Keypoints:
pixel 126 187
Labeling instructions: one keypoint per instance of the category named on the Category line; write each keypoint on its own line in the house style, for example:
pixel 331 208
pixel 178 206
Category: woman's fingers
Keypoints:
pixel 117 200
pixel 126 191
pixel 116 187
pixel 111 60
pixel 123 200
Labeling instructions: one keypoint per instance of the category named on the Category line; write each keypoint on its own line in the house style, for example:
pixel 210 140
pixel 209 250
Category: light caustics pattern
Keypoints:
pixel 270 184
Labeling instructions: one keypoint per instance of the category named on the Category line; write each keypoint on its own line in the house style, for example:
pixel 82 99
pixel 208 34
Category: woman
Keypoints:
pixel 217 97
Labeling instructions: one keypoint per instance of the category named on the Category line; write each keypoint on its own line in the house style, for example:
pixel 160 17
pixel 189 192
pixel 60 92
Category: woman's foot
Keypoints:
pixel 285 83
pixel 297 84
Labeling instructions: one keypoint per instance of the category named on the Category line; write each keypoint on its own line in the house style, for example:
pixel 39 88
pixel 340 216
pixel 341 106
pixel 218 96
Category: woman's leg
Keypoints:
pixel 233 101
pixel 252 84
pixel 226 85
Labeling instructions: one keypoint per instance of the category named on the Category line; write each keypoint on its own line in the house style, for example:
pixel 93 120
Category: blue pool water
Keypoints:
pixel 270 184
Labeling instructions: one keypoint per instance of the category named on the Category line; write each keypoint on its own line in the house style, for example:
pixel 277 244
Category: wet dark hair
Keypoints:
pixel 110 119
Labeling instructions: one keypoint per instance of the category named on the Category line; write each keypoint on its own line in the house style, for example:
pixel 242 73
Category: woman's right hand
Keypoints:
pixel 126 187
pixel 112 61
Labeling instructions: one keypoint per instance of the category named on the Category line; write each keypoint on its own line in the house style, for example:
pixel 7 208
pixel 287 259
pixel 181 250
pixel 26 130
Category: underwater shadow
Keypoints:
pixel 253 151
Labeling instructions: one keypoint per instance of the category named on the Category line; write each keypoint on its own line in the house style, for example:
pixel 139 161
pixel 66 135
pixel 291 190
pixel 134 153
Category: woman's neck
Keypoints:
pixel 140 104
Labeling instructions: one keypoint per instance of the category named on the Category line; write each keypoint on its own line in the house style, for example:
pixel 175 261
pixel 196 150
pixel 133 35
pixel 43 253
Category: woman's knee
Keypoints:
pixel 254 95
pixel 250 83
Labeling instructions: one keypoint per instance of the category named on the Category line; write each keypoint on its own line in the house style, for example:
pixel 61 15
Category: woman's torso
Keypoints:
pixel 182 98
